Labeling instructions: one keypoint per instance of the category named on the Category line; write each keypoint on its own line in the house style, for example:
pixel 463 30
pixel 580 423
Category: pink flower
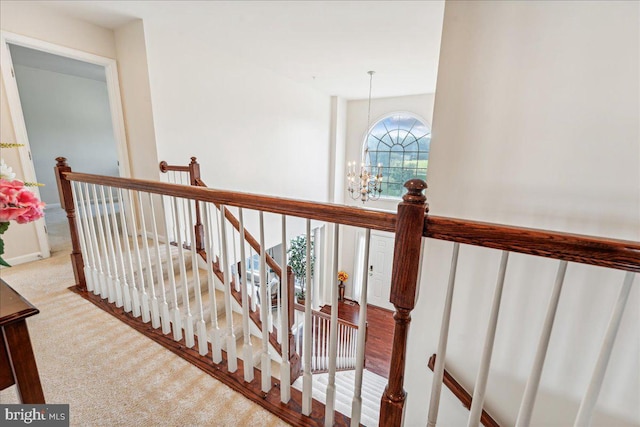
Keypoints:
pixel 17 203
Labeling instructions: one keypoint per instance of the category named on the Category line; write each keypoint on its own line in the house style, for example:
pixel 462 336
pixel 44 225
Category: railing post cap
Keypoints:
pixel 414 194
pixel 163 166
pixel 62 161
pixel 193 159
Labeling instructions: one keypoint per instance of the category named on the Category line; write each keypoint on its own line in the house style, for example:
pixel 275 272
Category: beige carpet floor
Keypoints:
pixel 109 374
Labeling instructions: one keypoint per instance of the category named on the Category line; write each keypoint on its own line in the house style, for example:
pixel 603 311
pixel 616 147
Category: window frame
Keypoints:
pixel 380 118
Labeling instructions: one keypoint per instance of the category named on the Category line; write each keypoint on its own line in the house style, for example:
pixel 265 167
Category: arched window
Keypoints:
pixel 399 142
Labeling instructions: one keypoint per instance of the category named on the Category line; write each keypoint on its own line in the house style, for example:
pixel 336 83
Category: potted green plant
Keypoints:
pixel 300 296
pixel 297 260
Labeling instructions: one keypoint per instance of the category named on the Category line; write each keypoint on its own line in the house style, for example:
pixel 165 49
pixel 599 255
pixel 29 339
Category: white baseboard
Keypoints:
pixel 35 256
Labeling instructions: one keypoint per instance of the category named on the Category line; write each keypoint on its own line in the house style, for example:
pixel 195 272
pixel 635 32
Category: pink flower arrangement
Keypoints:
pixel 19 204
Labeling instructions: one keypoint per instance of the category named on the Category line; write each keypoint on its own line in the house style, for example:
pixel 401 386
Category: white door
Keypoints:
pixel 380 264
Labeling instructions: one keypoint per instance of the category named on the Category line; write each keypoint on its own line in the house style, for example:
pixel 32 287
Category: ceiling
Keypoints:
pixel 329 45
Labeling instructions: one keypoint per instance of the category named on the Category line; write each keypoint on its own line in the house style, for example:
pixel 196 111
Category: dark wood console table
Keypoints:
pixel 17 362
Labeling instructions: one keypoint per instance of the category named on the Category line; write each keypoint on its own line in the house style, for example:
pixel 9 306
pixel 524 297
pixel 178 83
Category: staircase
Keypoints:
pixel 372 388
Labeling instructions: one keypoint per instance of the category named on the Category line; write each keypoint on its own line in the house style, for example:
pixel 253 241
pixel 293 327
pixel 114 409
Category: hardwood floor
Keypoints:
pixel 380 333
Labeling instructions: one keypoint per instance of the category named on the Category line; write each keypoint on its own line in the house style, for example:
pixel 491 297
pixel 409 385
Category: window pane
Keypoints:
pixel 401 143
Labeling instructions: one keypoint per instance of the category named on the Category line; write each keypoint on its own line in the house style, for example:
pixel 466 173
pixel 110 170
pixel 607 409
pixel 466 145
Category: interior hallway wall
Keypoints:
pixel 536 124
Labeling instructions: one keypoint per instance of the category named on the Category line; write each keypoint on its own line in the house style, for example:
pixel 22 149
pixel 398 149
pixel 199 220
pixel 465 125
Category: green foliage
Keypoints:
pixel 4 226
pixel 298 257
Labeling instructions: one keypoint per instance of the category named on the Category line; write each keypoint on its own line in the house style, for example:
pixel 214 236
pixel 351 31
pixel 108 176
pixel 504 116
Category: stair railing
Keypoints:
pixel 115 248
pixel 346 346
pixel 190 175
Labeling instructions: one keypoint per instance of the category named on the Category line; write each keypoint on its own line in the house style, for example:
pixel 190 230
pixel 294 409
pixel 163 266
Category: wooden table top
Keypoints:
pixel 13 306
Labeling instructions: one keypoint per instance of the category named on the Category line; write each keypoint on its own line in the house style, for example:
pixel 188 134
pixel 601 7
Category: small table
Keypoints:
pixel 17 362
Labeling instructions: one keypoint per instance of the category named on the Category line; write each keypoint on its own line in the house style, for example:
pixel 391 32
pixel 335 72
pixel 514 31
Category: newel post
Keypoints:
pixel 194 177
pixel 404 292
pixel 66 202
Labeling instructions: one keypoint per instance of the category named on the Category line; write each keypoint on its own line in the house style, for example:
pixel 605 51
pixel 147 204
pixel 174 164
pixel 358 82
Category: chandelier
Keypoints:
pixel 365 183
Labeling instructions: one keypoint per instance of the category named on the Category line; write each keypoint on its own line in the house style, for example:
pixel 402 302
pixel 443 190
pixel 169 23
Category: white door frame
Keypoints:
pixel 17 117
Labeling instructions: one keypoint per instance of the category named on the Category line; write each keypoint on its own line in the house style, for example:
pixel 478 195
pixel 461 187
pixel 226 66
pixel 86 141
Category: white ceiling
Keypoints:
pixel 329 45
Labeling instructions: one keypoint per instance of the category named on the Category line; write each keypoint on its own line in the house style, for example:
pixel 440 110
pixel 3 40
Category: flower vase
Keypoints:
pixel 341 287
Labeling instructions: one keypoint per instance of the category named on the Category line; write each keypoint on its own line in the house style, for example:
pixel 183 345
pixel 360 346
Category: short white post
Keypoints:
pixel 176 316
pixel 307 379
pixel 135 295
pixel 265 309
pixel 591 396
pixel 438 370
pixel 356 405
pixel 531 390
pixel 247 350
pixel 483 373
pixel 285 366
pixel 188 321
pixel 232 358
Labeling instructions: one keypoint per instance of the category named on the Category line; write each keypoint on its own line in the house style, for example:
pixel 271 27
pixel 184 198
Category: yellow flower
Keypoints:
pixel 342 276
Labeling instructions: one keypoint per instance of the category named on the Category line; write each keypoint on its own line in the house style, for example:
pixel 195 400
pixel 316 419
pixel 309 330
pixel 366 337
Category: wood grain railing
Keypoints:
pixel 462 394
pixel 410 225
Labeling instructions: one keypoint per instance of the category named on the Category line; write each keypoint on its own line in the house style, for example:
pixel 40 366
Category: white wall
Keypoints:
pixel 536 123
pixel 251 130
pixel 133 72
pixel 356 129
pixel 66 116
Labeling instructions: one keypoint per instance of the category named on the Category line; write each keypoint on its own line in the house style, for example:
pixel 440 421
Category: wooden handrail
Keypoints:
pixel 462 394
pixel 339 214
pixel 253 242
pixel 612 253
pixel 317 313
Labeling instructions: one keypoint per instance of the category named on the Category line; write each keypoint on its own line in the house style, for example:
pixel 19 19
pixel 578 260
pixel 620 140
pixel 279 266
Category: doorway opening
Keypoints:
pixel 66 103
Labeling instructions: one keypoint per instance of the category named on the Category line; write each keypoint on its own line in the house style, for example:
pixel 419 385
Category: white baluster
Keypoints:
pixel 483 373
pixel 285 366
pixel 307 379
pixel 135 295
pixel 176 315
pixel 165 317
pixel 589 400
pixel 265 308
pixel 254 291
pixel 116 283
pixel 356 404
pixel 144 297
pixel 124 281
pixel 232 358
pixel 155 308
pixel 99 276
pixel 247 351
pixel 110 286
pixel 83 233
pixel 531 390
pixel 438 370
pixel 188 321
pixel 201 328
pixel 216 345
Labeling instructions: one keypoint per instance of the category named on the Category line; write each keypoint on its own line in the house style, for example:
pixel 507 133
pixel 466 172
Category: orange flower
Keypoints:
pixel 342 276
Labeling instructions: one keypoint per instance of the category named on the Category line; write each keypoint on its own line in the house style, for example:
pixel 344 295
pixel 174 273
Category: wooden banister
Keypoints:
pixel 66 202
pixel 253 242
pixel 404 292
pixel 462 394
pixel 612 253
pixel 339 214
